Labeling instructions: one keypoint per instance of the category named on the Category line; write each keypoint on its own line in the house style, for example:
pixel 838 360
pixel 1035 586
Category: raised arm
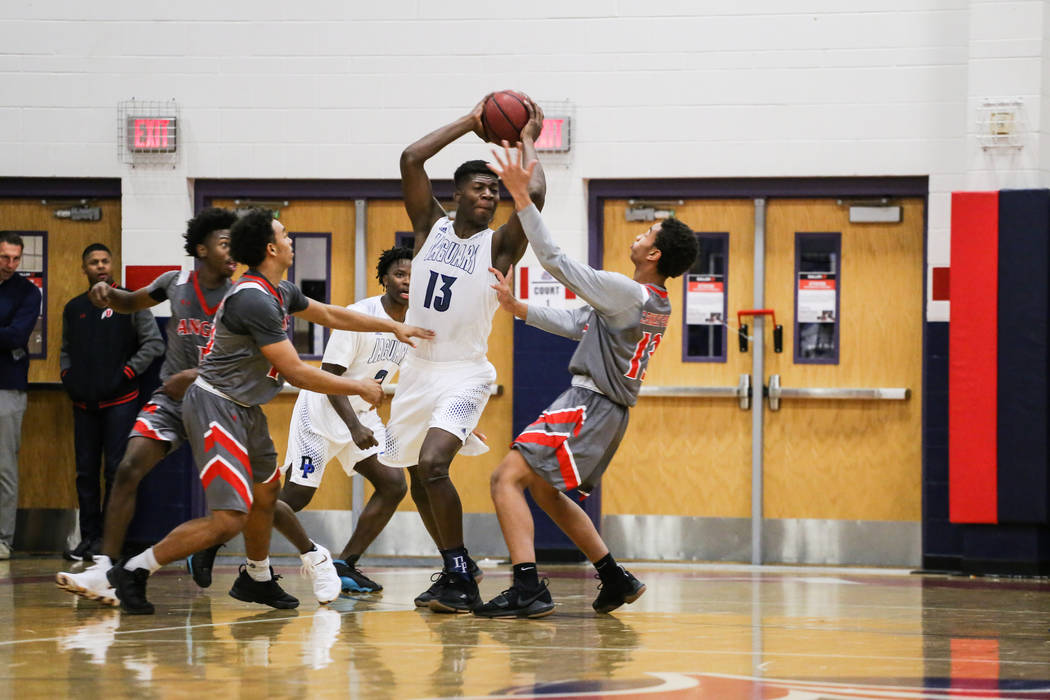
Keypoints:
pixel 609 293
pixel 284 358
pixel 568 323
pixel 423 209
pixel 104 296
pixel 344 319
pixel 509 242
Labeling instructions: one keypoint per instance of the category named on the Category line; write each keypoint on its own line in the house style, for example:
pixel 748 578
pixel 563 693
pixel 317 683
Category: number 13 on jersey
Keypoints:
pixel 441 301
pixel 643 351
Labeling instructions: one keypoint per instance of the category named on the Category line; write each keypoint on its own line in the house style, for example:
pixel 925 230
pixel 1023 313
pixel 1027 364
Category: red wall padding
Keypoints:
pixel 973 352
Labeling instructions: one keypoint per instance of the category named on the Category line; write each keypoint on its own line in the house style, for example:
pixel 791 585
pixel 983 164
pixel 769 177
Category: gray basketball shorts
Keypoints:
pixel 232 448
pixel 572 442
pixel 160 419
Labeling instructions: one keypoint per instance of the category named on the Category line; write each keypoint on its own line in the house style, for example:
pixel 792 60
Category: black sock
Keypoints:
pixel 525 576
pixel 608 569
pixel 455 560
pixel 351 560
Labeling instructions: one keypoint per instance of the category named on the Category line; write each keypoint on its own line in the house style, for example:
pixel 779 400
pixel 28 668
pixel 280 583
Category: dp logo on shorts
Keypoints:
pixel 307 466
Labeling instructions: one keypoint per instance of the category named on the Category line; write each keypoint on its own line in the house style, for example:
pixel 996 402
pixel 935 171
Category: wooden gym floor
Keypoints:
pixel 698 632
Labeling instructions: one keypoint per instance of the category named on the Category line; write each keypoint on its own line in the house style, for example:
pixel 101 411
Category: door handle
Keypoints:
pixel 741 392
pixel 775 392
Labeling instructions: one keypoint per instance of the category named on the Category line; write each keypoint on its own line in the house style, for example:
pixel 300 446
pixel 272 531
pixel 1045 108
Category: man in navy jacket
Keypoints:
pixel 19 309
pixel 103 354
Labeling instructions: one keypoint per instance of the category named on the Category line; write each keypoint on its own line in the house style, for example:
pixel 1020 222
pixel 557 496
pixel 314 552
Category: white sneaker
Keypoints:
pixel 319 567
pixel 91 583
pixel 5 550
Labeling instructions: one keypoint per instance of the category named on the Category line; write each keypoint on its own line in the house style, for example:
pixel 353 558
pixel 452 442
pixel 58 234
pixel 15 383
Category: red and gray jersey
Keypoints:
pixel 254 314
pixel 618 332
pixel 192 311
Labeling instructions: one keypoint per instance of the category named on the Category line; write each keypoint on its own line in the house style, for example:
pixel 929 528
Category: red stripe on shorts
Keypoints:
pixel 218 467
pixel 143 428
pixel 217 434
pixel 561 451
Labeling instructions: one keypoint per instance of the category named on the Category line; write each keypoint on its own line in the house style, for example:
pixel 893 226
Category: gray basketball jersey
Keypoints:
pixel 252 315
pixel 192 311
pixel 618 332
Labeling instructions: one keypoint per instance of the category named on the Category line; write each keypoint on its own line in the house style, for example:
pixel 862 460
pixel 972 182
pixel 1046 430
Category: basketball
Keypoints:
pixel 504 115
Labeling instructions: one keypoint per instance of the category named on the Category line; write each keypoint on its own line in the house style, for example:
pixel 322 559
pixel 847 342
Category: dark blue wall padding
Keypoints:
pixel 1024 302
pixel 541 374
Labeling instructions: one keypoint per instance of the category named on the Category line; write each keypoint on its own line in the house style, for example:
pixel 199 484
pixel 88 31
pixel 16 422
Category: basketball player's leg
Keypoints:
pixel 418 491
pixel 141 455
pixel 389 489
pixel 435 459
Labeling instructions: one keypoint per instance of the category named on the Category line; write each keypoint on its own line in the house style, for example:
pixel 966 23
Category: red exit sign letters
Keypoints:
pixel 151 134
pixel 555 136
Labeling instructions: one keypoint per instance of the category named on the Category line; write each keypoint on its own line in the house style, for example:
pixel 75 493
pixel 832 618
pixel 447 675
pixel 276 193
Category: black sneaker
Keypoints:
pixel 266 592
pixel 82 552
pixel 439 580
pixel 626 589
pixel 353 580
pixel 199 565
pixel 459 595
pixel 423 599
pixel 513 602
pixel 131 589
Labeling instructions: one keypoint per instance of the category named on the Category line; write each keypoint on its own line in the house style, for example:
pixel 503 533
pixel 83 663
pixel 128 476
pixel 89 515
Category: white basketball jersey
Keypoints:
pixel 451 294
pixel 364 355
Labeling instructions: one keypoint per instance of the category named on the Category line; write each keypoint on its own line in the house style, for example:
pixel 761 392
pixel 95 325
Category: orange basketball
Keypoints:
pixel 504 115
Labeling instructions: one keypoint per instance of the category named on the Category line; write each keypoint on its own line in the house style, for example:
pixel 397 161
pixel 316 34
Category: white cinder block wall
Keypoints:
pixel 659 88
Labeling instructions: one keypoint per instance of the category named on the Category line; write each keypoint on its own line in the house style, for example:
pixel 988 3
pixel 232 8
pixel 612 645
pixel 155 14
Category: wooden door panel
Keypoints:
pixel 843 459
pixel 47 428
pixel 689 457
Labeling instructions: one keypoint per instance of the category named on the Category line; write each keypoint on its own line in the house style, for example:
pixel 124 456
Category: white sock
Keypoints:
pixel 145 560
pixel 258 570
pixel 103 562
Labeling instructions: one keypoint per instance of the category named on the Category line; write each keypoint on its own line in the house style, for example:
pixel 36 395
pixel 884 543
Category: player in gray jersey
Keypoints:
pixel 245 363
pixel 194 297
pixel 572 442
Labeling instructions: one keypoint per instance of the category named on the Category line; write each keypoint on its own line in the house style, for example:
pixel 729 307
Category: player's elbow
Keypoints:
pixel 411 157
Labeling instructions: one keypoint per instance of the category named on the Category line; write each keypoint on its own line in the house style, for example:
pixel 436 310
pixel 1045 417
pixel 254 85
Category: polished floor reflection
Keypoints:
pixel 698 632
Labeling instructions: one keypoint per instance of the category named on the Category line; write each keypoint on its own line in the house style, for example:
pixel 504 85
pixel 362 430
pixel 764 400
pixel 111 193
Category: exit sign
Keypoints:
pixel 556 136
pixel 151 134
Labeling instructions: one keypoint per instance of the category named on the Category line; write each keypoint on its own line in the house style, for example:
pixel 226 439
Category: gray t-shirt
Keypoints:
pixel 252 315
pixel 618 332
pixel 192 311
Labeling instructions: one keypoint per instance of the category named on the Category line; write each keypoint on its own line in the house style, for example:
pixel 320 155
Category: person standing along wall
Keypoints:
pixel 19 309
pixel 103 354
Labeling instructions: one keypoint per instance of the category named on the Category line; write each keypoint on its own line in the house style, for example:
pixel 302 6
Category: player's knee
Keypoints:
pixel 130 472
pixel 433 470
pixel 227 524
pixel 391 486
pixel 297 497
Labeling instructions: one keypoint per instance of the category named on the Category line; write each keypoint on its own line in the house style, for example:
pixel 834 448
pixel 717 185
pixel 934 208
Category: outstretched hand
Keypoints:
pixel 99 294
pixel 406 333
pixel 515 176
pixel 505 295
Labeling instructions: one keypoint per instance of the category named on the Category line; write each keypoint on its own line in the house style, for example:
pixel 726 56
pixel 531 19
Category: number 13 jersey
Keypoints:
pixel 451 294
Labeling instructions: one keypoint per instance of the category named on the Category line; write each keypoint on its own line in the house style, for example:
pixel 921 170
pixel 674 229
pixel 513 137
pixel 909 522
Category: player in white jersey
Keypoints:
pixel 444 383
pixel 324 427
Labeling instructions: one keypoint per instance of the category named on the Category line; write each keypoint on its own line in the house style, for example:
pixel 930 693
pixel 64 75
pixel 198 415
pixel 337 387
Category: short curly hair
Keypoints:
pixel 468 170
pixel 678 247
pixel 201 226
pixel 250 235
pixel 389 257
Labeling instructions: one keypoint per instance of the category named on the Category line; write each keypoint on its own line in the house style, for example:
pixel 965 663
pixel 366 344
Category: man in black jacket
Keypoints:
pixel 103 353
